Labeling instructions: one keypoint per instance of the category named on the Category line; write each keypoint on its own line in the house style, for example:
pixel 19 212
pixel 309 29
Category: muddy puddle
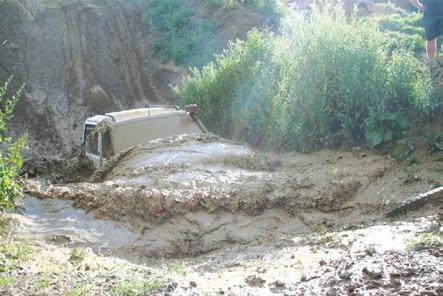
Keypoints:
pixel 192 194
pixel 58 222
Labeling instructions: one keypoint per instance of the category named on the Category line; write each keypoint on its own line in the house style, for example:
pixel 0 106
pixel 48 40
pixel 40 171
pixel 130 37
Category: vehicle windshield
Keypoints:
pixel 90 139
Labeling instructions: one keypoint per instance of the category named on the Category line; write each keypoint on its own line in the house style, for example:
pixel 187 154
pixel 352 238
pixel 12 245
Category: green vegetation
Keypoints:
pixel 6 282
pixel 326 81
pixel 182 36
pixel 269 8
pixel 133 286
pixel 13 251
pixel 187 37
pixel 42 283
pixel 13 254
pixel 405 29
pixel 410 174
pixel 427 240
pixel 10 158
pixel 434 141
pixel 177 267
pixel 77 255
pixel 79 290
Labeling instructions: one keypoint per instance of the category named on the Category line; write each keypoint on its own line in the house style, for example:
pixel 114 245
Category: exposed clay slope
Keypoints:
pixel 74 60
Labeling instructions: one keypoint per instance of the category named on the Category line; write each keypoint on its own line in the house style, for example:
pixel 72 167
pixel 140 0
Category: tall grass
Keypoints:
pixel 324 81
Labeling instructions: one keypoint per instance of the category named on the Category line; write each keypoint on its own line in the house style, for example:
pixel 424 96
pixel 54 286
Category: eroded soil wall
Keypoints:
pixel 75 60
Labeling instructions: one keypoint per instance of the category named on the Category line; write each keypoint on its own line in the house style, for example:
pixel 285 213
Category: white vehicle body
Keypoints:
pixel 107 135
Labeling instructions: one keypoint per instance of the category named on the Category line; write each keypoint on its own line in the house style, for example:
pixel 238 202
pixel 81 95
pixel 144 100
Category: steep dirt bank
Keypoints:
pixel 75 60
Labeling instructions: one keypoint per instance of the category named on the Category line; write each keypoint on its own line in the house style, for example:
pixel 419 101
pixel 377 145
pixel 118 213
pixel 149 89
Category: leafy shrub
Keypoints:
pixel 10 159
pixel 406 29
pixel 221 88
pixel 325 81
pixel 382 126
pixel 434 141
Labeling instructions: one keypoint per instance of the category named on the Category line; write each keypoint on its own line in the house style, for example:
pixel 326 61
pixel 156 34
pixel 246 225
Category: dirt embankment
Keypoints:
pixel 75 60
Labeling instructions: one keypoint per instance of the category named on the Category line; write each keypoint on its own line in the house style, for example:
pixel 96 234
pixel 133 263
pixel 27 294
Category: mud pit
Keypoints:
pixel 190 195
pixel 231 220
pixel 370 260
pixel 57 222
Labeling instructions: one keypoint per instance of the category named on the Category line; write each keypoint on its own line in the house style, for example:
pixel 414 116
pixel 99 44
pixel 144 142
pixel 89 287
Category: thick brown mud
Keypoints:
pixel 210 216
pixel 190 195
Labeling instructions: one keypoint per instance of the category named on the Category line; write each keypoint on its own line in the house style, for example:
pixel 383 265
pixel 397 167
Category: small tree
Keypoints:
pixel 10 151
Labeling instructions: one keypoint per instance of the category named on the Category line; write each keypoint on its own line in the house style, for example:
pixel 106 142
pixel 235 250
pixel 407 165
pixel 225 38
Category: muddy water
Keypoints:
pixel 241 254
pixel 244 224
pixel 195 154
pixel 188 195
pixel 56 221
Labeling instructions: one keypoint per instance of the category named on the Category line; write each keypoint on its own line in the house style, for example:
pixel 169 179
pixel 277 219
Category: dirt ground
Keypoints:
pixel 209 216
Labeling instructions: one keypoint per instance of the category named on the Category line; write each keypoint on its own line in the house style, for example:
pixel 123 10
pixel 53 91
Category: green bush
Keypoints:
pixel 406 29
pixel 10 159
pixel 325 81
pixel 220 87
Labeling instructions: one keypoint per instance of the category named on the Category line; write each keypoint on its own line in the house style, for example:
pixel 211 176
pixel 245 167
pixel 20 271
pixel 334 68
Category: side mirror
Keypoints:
pixel 191 109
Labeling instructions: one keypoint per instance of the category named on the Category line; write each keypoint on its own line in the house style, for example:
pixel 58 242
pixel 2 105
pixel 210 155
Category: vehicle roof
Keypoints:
pixel 94 120
pixel 140 113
